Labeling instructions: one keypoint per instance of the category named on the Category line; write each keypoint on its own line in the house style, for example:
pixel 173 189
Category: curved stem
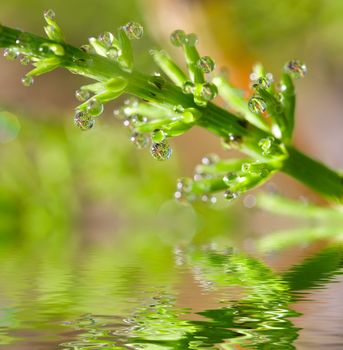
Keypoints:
pixel 213 118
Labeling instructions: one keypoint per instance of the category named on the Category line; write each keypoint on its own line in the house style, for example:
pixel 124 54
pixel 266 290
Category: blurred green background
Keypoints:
pixel 56 180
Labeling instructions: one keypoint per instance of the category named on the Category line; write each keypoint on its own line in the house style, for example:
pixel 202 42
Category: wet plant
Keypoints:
pixel 172 101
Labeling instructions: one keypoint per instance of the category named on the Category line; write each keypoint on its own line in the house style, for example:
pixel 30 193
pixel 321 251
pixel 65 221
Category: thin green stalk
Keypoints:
pixel 243 134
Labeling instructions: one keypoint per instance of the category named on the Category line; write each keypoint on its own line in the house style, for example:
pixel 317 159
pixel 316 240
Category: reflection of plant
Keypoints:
pixel 321 223
pixel 170 109
pixel 256 320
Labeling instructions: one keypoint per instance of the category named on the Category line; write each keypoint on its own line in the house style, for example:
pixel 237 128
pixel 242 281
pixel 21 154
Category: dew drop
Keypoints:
pixel 178 109
pixel 188 87
pixel 296 69
pixel 83 120
pixel 158 135
pixel 106 39
pixel 184 184
pixel 157 81
pixel 210 159
pixel 232 141
pixel 265 144
pixel 82 95
pixel 49 15
pixel 134 30
pixel 191 39
pixel 87 48
pixel 113 53
pixel 161 151
pixel 208 91
pixel 178 37
pixel 262 83
pixel 25 60
pixel 246 167
pixel 47 48
pixel 229 178
pixel 139 140
pixel 95 107
pixel 27 80
pixel 11 54
pixel 230 196
pixel 206 64
pixel 257 104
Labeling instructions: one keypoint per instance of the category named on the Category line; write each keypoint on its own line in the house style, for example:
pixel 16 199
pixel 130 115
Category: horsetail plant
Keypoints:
pixel 169 103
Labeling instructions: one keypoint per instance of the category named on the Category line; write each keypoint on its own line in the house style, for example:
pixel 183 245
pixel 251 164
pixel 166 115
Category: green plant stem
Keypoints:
pixel 215 119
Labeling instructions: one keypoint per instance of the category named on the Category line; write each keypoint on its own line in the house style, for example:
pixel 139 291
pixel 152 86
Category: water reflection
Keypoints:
pixel 113 299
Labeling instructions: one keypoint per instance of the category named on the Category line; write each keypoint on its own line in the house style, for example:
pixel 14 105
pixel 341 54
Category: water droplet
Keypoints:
pixel 188 87
pixel 280 97
pixel 161 150
pixel 206 64
pixel 95 107
pixel 184 184
pixel 230 195
pixel 133 30
pixel 296 69
pixel 262 83
pixel 49 15
pixel 178 109
pixel 210 159
pixel 157 81
pixel 229 178
pixel 232 141
pixel 158 135
pixel 27 80
pixel 87 48
pixel 209 91
pixel 82 95
pixel 47 48
pixel 178 37
pixel 83 120
pixel 191 39
pixel 113 53
pixel 25 60
pixel 266 143
pixel 106 39
pixel 11 54
pixel 257 104
pixel 139 140
pixel 246 167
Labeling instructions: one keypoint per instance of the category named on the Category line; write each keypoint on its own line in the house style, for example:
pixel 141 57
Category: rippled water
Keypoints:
pixel 159 297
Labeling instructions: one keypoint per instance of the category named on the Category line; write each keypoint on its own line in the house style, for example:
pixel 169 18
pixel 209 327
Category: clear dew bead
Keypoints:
pixel 191 39
pixel 25 60
pixel 95 107
pixel 83 120
pixel 266 144
pixel 134 30
pixel 232 141
pixel 27 80
pixel 206 64
pixel 210 159
pixel 106 39
pixel 230 196
pixel 82 95
pixel 178 37
pixel 11 54
pixel 161 150
pixel 262 83
pixel 184 185
pixel 209 91
pixel 257 104
pixel 139 140
pixel 296 69
pixel 113 53
pixel 229 178
pixel 49 15
pixel 158 135
pixel 188 87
